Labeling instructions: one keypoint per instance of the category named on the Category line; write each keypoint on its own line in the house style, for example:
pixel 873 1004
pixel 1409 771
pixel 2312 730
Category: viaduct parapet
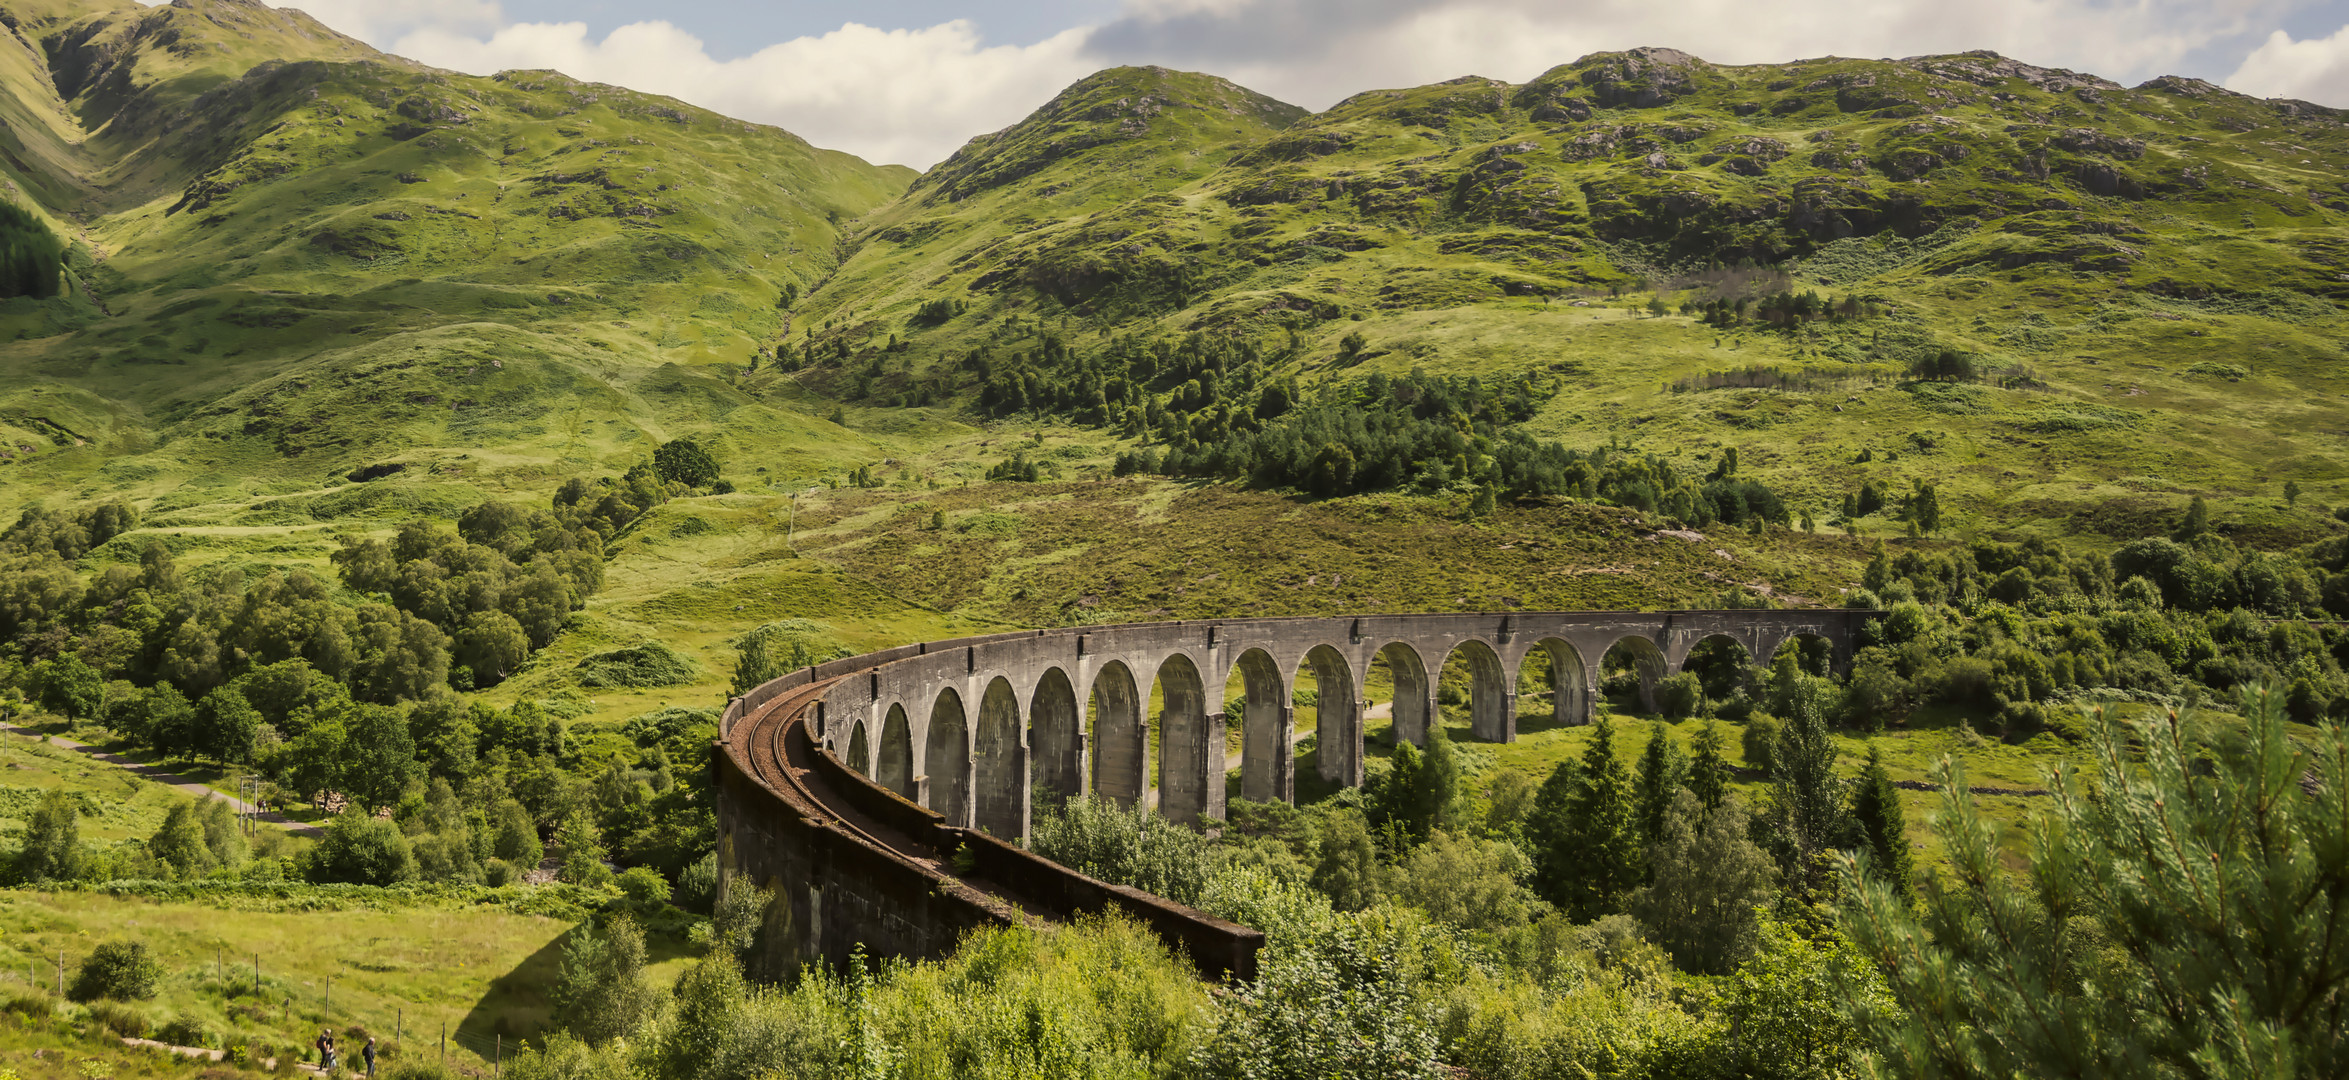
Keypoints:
pixel 884 796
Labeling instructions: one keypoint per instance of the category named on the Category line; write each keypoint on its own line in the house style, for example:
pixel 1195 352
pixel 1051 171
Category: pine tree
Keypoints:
pixel 2180 914
pixel 1875 811
pixel 1662 769
pixel 1708 771
pixel 1585 831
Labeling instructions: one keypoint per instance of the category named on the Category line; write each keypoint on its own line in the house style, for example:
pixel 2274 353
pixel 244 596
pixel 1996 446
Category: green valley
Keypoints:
pixel 436 454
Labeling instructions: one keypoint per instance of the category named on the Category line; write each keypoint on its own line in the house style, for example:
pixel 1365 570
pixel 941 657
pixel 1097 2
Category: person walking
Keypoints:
pixel 369 1053
pixel 325 1050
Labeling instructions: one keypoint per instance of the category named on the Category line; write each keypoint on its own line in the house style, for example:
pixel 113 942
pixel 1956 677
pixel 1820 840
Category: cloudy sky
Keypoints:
pixel 908 80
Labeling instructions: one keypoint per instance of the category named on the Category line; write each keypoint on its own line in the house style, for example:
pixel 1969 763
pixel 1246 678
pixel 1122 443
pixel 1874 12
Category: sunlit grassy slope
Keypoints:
pixel 294 255
pixel 2152 272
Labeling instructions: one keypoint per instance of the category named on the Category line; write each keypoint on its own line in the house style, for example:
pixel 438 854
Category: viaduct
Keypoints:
pixel 883 797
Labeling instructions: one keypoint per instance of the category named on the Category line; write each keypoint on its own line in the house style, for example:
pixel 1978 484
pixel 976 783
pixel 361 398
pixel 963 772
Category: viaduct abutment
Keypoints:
pixel 884 797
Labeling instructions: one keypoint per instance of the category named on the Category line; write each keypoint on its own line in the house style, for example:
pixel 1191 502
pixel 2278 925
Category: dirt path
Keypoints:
pixel 170 779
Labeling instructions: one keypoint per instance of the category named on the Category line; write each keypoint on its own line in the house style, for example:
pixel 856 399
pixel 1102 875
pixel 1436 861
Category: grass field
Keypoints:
pixel 382 965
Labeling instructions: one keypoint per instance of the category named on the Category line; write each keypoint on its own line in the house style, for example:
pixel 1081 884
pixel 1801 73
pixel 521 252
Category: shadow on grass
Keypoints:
pixel 520 1004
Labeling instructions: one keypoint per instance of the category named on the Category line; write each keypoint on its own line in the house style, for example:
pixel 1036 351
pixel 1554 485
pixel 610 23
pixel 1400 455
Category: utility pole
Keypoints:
pixel 444 1045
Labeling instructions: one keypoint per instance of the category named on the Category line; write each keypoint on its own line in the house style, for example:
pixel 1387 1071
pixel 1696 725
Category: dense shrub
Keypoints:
pixel 362 849
pixel 645 665
pixel 1133 847
pixel 121 970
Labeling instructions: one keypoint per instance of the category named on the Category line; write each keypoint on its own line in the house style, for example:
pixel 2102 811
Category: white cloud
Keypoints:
pixel 914 95
pixel 907 96
pixel 1313 52
pixel 378 21
pixel 2313 70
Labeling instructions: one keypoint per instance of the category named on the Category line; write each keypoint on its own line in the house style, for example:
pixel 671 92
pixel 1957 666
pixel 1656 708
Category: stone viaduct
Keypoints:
pixel 883 796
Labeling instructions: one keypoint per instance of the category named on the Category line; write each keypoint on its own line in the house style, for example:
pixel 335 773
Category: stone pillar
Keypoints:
pixel 1284 759
pixel 1493 714
pixel 1210 768
pixel 1337 736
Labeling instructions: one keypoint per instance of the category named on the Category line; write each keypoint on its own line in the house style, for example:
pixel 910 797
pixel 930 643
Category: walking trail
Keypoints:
pixel 171 779
pixel 202 1054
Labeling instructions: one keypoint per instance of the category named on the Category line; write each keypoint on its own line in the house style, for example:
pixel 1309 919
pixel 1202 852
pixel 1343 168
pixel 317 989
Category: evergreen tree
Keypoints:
pixel 1708 771
pixel 1662 770
pixel 1875 811
pixel 2180 914
pixel 1585 828
pixel 1806 810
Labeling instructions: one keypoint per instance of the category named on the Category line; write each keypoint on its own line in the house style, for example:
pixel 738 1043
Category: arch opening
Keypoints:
pixel 1267 723
pixel 893 767
pixel 946 761
pixel 1190 745
pixel 1722 666
pixel 1412 705
pixel 1056 741
pixel 1553 687
pixel 999 765
pixel 1328 717
pixel 859 753
pixel 1813 654
pixel 1121 736
pixel 1477 688
pixel 1630 671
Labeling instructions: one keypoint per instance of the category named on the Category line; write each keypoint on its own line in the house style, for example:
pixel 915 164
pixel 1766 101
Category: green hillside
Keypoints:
pixel 293 255
pixel 2144 280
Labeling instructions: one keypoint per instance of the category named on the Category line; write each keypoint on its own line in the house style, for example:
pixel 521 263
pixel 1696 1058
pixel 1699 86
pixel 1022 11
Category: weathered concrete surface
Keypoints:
pixel 847 786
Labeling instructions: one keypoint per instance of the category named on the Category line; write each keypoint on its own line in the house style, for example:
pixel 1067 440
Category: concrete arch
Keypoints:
pixel 1121 736
pixel 860 754
pixel 893 765
pixel 1492 713
pixel 1266 771
pixel 1056 739
pixel 1647 661
pixel 1574 685
pixel 946 760
pixel 1700 661
pixel 999 764
pixel 1337 724
pixel 1802 637
pixel 1190 745
pixel 1414 692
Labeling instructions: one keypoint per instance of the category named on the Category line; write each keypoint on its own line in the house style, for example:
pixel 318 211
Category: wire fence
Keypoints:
pixel 278 1001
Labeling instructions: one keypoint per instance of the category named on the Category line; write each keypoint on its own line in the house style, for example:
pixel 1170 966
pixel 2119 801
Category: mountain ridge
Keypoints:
pixel 310 233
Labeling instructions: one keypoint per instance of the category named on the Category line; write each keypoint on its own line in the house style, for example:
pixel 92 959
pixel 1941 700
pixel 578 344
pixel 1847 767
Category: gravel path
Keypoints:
pixel 170 779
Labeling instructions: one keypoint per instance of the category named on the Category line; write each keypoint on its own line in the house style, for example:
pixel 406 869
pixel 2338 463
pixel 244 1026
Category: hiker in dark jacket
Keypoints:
pixel 369 1053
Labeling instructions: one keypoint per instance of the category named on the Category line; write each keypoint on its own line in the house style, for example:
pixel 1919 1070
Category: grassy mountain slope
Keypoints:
pixel 2150 275
pixel 285 269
